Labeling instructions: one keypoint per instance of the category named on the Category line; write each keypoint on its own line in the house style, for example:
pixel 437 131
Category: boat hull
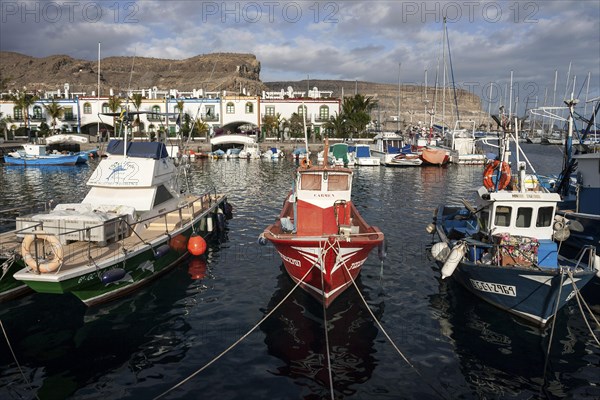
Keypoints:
pixel 140 266
pixel 332 263
pixel 41 161
pixel 530 294
pixel 434 156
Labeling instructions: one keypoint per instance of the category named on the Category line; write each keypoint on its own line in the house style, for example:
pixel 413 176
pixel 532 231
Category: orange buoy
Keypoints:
pixel 197 268
pixel 196 245
pixel 178 243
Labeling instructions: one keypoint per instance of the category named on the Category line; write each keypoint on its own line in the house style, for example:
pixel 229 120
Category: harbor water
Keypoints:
pixel 157 342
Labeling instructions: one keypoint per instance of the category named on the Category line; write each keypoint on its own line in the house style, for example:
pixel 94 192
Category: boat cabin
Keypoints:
pixel 529 214
pixel 322 198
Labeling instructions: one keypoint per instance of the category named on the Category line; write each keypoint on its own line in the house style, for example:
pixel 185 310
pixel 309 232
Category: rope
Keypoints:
pixel 577 296
pixel 562 275
pixel 322 259
pixel 15 359
pixel 388 336
pixel 237 341
pixel 7 264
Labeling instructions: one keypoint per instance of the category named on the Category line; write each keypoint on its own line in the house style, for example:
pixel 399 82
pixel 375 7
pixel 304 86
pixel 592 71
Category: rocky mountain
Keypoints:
pixel 411 101
pixel 211 72
pixel 233 72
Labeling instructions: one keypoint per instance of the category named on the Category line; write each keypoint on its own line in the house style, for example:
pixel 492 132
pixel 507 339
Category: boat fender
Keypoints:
pixel 440 251
pixel 382 250
pixel 220 221
pixel 210 226
pixel 455 257
pixel 262 240
pixel 113 275
pixel 228 210
pixel 596 264
pixel 45 265
pixel 430 228
pixel 196 245
pixel 161 251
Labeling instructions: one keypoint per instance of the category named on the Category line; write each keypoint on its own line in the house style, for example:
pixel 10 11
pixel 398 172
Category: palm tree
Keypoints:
pixel 3 126
pixel 55 111
pixel 180 104
pixel 114 105
pixel 271 124
pixel 356 111
pixel 136 98
pixel 24 101
pixel 337 124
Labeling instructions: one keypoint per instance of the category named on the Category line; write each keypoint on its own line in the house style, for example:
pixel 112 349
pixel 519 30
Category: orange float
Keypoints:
pixel 196 245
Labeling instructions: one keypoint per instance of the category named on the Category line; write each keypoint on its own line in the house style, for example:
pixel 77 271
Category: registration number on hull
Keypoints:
pixel 506 290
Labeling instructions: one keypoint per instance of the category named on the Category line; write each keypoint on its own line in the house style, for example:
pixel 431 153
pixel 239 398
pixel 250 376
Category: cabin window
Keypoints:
pixel 310 182
pixel 544 216
pixel 485 215
pixel 502 217
pixel 162 195
pixel 337 182
pixel 524 217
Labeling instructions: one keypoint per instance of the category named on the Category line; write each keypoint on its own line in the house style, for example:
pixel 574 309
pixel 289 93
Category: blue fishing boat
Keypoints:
pixel 504 250
pixel 36 155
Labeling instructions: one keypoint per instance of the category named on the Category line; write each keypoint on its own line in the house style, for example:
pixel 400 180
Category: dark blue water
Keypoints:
pixel 145 344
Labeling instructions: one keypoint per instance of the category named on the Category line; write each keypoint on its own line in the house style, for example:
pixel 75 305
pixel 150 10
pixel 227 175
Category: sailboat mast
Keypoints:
pixel 444 78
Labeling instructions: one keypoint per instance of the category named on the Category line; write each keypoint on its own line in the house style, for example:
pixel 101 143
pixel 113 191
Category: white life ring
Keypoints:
pixel 43 265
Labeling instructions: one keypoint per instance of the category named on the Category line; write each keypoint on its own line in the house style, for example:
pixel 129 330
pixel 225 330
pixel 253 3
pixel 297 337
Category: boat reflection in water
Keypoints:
pixel 295 334
pixel 503 356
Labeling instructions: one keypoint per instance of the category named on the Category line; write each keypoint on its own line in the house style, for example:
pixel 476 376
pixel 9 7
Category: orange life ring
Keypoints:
pixel 305 162
pixel 42 265
pixel 490 171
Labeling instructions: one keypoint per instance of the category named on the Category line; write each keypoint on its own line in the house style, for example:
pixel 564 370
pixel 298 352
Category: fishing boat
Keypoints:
pixel 320 236
pixel 363 156
pixel 434 156
pixel 273 154
pixel 504 250
pixel 405 159
pixel 250 151
pixel 339 154
pixel 133 226
pixel 386 146
pixel 37 155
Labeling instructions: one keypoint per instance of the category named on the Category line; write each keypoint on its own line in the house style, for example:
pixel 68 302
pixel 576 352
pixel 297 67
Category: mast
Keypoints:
pixel 444 78
pixel 98 96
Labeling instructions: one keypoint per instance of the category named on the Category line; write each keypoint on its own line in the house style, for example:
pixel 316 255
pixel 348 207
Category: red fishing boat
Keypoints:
pixel 320 236
pixel 434 156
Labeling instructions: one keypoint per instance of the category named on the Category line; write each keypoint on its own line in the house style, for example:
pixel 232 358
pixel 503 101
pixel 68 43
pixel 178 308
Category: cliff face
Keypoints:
pixel 211 72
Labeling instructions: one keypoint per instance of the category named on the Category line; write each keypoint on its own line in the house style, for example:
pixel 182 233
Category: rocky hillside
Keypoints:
pixel 214 72
pixel 412 101
pixel 211 72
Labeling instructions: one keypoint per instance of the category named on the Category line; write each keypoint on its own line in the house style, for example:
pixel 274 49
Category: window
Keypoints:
pixel 337 182
pixel 270 110
pixel 162 195
pixel 311 182
pixel 68 113
pixel 18 113
pixel 324 112
pixel 502 216
pixel 37 112
pixel 87 108
pixel 105 108
pixel 544 216
pixel 301 110
pixel 524 217
pixel 249 108
pixel 230 108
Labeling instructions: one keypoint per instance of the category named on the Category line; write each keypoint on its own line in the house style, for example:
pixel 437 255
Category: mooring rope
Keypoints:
pixel 7 264
pixel 562 276
pixel 388 336
pixel 322 260
pixel 579 300
pixel 15 359
pixel 237 341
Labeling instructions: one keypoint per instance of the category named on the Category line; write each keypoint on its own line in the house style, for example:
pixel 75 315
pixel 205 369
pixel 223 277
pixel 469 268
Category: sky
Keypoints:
pixel 540 42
